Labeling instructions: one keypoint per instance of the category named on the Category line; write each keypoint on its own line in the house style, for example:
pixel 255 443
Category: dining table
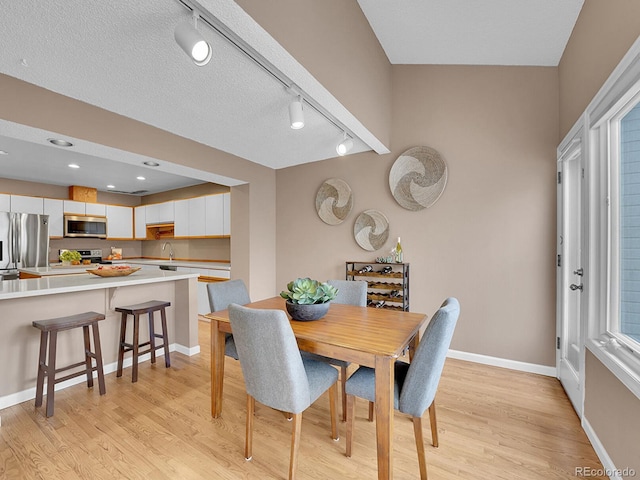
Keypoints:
pixel 372 337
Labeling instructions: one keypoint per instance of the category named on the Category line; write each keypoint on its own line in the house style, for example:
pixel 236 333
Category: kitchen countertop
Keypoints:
pixel 177 263
pixel 59 269
pixel 48 285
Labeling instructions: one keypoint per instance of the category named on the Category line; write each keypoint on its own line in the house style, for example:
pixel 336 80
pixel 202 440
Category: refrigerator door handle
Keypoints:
pixel 14 246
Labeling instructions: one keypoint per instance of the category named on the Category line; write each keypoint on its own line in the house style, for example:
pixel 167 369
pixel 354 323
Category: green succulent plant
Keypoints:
pixel 305 291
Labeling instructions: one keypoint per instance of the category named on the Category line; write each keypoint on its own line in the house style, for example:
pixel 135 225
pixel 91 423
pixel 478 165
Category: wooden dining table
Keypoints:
pixel 373 337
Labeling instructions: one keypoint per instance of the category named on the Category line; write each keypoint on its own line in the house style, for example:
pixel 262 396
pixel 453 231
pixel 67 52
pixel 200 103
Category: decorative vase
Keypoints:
pixel 66 263
pixel 306 313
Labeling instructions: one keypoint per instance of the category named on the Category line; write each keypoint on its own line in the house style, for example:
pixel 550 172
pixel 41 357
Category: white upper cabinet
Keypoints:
pixel 141 222
pixel 197 216
pixel 72 207
pixel 54 208
pixel 23 204
pixel 159 213
pixel 120 222
pixel 215 215
pixel 98 209
pixel 5 202
pixel 181 223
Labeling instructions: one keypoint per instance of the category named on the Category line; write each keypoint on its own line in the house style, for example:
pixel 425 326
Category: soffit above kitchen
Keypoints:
pixel 122 57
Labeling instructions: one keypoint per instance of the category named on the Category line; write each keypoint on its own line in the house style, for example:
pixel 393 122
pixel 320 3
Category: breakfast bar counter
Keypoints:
pixel 23 301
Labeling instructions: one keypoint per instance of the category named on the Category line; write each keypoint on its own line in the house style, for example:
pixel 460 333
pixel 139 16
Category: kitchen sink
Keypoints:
pixel 173 268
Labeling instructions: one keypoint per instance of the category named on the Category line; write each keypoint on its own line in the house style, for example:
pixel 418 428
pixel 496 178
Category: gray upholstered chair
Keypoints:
pixel 416 383
pixel 349 293
pixel 223 294
pixel 275 373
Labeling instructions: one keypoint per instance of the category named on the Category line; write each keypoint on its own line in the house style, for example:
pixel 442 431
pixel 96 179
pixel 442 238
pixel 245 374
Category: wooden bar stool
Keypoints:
pixel 49 334
pixel 136 311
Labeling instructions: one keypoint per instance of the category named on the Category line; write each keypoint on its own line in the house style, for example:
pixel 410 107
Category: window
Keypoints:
pixel 626 324
pixel 613 191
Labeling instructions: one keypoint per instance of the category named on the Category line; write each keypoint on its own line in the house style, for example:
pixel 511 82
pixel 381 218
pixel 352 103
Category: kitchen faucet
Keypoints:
pixel 170 250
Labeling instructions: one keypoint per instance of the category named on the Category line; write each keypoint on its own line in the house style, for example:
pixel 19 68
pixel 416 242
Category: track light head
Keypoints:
pixel 296 115
pixel 192 42
pixel 345 145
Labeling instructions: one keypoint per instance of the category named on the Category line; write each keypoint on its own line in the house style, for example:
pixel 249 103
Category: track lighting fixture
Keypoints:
pixel 192 42
pixel 345 145
pixel 296 115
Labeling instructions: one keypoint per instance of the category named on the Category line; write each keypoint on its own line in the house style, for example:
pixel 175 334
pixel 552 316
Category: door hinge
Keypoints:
pixel 583 173
pixel 559 178
pixel 559 260
pixel 558 343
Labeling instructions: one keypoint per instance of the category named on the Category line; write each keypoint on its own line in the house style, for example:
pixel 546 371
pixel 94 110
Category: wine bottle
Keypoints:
pixel 398 252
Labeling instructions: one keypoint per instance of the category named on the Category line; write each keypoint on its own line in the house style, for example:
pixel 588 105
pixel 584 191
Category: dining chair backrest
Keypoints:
pixel 270 359
pixel 222 294
pixel 421 383
pixel 350 292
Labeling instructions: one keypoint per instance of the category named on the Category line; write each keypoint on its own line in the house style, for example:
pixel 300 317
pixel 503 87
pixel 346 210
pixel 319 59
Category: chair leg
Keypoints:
pixel 434 423
pixel 422 462
pixel 123 328
pixel 165 338
pixel 372 411
pixel 343 385
pixel 97 350
pixel 136 346
pixel 87 356
pixel 44 336
pixel 333 394
pixel 295 444
pixel 248 444
pixel 351 413
pixel 51 371
pixel 152 337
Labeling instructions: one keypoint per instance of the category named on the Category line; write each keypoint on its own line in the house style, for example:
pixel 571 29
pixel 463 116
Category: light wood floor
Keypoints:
pixel 493 424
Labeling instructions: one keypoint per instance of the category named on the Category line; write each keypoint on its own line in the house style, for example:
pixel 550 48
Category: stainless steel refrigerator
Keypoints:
pixel 24 242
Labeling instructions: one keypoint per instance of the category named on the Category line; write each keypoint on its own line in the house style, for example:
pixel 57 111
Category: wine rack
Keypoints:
pixel 385 289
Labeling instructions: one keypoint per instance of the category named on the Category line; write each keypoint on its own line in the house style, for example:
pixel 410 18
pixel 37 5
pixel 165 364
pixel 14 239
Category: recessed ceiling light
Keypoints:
pixel 2 152
pixel 111 186
pixel 73 165
pixel 59 142
pixel 151 164
pixel 141 178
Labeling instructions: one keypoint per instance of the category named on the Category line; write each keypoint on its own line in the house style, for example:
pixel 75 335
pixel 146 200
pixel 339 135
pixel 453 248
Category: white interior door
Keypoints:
pixel 570 344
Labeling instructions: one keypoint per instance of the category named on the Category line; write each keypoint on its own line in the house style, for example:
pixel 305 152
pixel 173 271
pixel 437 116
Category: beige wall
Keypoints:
pixel 251 256
pixel 332 39
pixel 614 414
pixel 602 35
pixel 489 240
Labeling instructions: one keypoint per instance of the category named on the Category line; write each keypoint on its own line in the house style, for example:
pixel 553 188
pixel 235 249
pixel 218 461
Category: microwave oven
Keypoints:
pixel 83 226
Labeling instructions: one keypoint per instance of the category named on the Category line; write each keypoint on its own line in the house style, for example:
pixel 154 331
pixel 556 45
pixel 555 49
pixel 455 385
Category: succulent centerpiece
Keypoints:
pixel 308 299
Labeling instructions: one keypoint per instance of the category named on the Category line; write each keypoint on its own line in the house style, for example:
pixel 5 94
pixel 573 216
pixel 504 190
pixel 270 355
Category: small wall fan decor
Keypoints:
pixel 334 201
pixel 371 230
pixel 418 177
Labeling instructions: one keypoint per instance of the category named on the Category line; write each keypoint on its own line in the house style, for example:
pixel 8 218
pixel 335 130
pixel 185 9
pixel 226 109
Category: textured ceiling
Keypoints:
pixel 121 56
pixel 472 32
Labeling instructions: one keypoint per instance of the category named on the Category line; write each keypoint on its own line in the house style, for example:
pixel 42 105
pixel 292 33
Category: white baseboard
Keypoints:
pixel 30 393
pixel 504 363
pixel 607 463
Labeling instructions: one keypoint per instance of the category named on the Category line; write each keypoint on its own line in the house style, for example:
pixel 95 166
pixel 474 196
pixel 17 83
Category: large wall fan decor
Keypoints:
pixel 418 177
pixel 334 201
pixel 371 230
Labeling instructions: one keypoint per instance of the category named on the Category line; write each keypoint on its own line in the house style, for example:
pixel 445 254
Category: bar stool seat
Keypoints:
pixel 136 310
pixel 49 335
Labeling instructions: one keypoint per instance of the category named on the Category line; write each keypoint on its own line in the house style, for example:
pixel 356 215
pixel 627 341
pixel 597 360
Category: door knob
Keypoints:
pixel 574 287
